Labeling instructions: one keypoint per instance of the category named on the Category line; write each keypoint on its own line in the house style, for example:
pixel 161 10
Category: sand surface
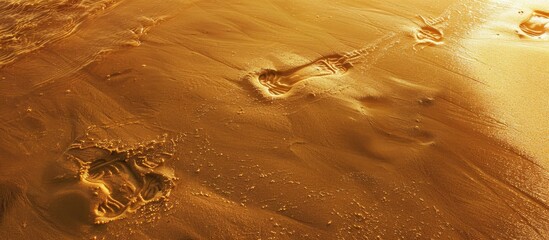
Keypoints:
pixel 301 119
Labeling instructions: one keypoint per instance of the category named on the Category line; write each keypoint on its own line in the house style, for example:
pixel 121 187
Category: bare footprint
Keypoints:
pixel 122 178
pixel 272 83
pixel 428 34
pixel 536 25
pixel 280 82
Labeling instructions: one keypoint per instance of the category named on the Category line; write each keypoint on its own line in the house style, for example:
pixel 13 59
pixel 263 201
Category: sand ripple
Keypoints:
pixel 26 26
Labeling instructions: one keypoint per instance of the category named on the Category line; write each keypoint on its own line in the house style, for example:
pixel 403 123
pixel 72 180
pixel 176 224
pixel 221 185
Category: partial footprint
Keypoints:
pixel 154 187
pixel 111 164
pixel 272 83
pixel 123 178
pixel 536 25
pixel 428 34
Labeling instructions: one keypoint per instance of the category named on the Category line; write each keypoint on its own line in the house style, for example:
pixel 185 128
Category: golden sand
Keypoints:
pixel 190 119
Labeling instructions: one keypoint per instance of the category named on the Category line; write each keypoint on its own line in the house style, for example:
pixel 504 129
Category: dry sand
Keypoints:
pixel 191 119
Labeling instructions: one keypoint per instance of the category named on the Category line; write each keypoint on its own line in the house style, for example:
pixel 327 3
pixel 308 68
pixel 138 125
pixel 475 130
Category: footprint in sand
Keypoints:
pixel 535 26
pixel 428 34
pixel 121 178
pixel 272 83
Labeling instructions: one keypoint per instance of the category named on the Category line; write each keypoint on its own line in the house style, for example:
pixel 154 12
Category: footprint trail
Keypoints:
pixel 272 83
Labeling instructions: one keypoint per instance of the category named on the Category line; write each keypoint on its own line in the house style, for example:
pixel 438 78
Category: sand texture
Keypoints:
pixel 274 119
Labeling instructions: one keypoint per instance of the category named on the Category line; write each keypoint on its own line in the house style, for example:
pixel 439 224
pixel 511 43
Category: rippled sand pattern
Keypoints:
pixel 26 26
